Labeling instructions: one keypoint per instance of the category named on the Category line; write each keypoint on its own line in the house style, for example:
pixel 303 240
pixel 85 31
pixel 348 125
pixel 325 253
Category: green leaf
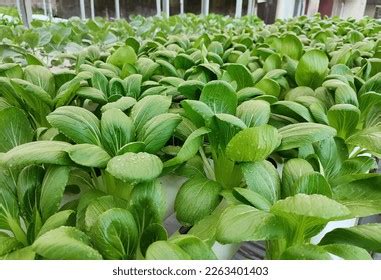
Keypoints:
pixel 158 130
pixel 245 223
pixel 241 75
pixel 122 104
pixel 254 112
pixel 293 170
pixel 42 77
pixel 89 155
pixel 367 101
pixel 149 107
pixel 9 211
pixel 249 93
pixel 97 206
pixel 302 134
pixel 344 118
pixel 93 94
pixel 34 96
pixel 77 123
pixel 220 97
pixel 117 130
pixel 153 233
pixel 332 152
pixel 305 252
pixel 253 144
pixel 366 236
pixel 356 165
pixel 136 167
pixel 206 228
pixel 372 84
pixel 8 244
pixel 15 129
pixel 11 70
pixel 148 204
pixel 133 85
pixel 313 183
pixel 28 189
pixel 191 88
pixel 52 152
pixel 164 250
pixel 345 94
pixel 146 67
pixel 368 138
pixel 100 82
pixel 315 206
pixel 312 69
pixel 262 178
pixel 251 198
pixel 25 253
pixel 132 147
pixel 361 196
pixel 116 87
pixel 65 243
pixel 198 112
pixel 122 55
pixel 272 62
pixel 223 128
pixel 36 100
pixel 57 220
pixel 269 87
pixel 194 247
pixel 293 110
pixel 52 190
pixel 115 234
pixel 196 199
pixel 348 252
pixel 189 148
pixel 8 92
pixel 294 93
pixel 291 46
pixel 67 91
pixel 84 201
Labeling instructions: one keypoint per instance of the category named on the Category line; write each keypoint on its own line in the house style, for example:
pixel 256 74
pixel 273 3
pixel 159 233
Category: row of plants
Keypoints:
pixel 246 131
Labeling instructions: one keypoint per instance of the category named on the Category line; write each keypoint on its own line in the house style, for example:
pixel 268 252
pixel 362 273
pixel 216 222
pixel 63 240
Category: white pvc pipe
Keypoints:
pixel 205 7
pixel 117 9
pixel 353 8
pixel 50 9
pixel 25 9
pixel 166 8
pixel 44 7
pixel 92 9
pixel 238 8
pixel 313 7
pixel 302 7
pixel 82 9
pixel 285 9
pixel 181 7
pixel 28 8
pixel 255 8
pixel 158 7
pixel 18 7
pixel 250 8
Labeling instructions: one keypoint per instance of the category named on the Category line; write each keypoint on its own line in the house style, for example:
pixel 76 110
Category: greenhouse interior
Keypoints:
pixel 190 130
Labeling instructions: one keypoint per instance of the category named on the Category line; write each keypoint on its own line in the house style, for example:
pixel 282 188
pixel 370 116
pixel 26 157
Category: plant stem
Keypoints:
pixel 275 248
pixel 17 231
pixel 209 170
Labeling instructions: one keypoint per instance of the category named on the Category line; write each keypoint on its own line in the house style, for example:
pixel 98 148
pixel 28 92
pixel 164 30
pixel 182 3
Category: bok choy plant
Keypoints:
pixel 243 131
